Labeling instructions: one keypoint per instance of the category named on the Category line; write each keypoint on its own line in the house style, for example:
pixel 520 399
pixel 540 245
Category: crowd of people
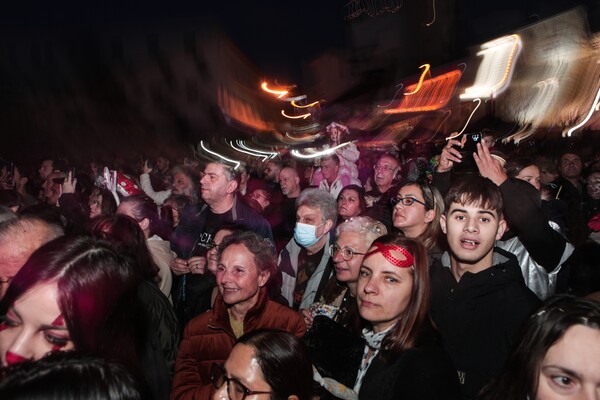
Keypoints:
pixel 367 275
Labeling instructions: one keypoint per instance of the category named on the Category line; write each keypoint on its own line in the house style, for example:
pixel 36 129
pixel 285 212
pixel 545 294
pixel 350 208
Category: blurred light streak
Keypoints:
pixel 293 102
pixel 435 93
pixel 393 98
pixel 433 20
pixel 468 120
pixel 394 133
pixel 279 93
pixel 496 69
pixel 270 154
pixel 222 157
pixel 230 143
pixel 316 154
pixel 240 110
pixel 420 83
pixel 587 118
pixel 303 139
pixel 303 116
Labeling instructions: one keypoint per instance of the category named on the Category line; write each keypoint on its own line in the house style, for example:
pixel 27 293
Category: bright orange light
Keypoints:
pixel 434 94
pixel 420 83
pixel 303 116
pixel 279 93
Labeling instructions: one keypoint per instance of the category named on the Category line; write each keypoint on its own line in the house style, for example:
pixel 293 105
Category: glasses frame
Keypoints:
pixel 406 201
pixel 385 168
pixel 332 250
pixel 214 378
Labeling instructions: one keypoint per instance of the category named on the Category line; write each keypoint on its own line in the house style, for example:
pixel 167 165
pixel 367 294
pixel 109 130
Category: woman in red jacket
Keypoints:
pixel 246 263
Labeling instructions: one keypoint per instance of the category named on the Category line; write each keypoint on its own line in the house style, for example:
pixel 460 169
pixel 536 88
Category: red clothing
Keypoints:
pixel 209 338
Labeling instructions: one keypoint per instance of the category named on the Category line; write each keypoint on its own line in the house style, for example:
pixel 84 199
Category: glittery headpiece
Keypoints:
pixel 386 251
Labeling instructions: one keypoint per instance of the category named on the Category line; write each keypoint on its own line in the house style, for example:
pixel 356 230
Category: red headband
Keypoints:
pixel 385 250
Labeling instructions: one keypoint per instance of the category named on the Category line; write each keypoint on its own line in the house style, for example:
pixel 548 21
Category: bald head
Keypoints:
pixel 289 180
pixel 19 238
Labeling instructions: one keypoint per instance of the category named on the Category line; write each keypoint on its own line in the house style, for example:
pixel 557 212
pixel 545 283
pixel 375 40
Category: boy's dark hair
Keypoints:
pixel 473 189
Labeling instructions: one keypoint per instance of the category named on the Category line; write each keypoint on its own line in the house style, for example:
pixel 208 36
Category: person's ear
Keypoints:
pixel 501 229
pixel 144 224
pixel 429 216
pixel 297 180
pixel 443 223
pixel 263 278
pixel 328 225
pixel 232 186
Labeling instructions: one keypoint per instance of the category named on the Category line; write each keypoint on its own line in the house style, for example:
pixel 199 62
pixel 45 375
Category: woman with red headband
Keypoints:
pixel 403 356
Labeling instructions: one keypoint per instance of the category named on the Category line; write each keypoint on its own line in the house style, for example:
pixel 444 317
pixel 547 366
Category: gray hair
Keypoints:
pixel 368 227
pixel 321 199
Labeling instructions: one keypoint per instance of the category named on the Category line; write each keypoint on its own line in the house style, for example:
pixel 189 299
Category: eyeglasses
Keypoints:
pixel 406 201
pixel 256 196
pixel 212 245
pixel 235 389
pixel 384 168
pixel 346 252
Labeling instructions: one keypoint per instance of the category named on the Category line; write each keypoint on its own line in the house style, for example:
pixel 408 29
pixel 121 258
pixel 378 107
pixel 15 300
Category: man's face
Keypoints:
pixel 385 171
pixel 289 182
pixel 593 185
pixel 182 185
pixel 51 188
pixel 330 170
pixel 162 164
pixel 271 172
pixel 262 197
pixel 46 169
pixel 214 186
pixel 472 230
pixel 570 166
pixel 313 216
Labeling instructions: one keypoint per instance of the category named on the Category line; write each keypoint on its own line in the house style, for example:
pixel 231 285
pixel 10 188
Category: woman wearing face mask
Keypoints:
pixel 264 362
pixel 557 357
pixel 72 293
pixel 403 356
pixel 245 265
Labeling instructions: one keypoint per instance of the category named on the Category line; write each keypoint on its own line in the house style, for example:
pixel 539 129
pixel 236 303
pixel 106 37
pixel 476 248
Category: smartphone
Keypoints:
pixel 467 165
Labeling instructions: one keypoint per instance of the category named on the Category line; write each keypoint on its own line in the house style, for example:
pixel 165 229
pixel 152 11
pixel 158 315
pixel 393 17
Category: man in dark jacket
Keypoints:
pixel 192 286
pixel 479 298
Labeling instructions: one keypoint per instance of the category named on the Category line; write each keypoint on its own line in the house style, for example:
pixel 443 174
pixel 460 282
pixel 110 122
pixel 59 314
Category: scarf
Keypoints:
pixel 373 344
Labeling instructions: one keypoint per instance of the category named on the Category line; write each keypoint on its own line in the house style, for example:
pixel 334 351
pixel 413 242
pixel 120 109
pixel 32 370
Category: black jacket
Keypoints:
pixel 480 316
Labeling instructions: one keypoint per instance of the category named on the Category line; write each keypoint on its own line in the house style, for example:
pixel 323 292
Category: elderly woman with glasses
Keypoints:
pixel 417 210
pixel 264 362
pixel 245 265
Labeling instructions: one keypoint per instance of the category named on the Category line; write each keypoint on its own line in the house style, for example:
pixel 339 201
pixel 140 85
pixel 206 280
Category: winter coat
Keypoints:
pixel 209 338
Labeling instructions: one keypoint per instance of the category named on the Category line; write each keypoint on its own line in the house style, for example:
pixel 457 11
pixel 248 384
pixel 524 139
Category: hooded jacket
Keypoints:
pixel 480 316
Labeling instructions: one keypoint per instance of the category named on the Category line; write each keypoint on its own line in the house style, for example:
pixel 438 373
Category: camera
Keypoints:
pixel 467 165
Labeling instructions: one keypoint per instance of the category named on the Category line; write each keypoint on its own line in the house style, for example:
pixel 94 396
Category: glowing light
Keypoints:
pixel 496 69
pixel 303 116
pixel 278 93
pixel 435 93
pixel 587 118
pixel 222 157
pixel 269 154
pixel 468 120
pixel 316 154
pixel 420 83
pixel 306 106
pixel 399 86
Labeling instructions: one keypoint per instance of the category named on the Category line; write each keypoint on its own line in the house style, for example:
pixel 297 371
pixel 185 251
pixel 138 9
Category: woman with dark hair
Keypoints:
pixel 557 357
pixel 68 376
pixel 72 293
pixel 155 313
pixel 265 362
pixel 403 356
pixel 351 202
pixel 145 212
pixel 172 209
pixel 417 210
pixel 101 202
pixel 246 262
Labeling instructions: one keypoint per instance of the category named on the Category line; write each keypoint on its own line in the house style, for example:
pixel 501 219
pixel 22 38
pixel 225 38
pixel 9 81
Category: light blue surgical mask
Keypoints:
pixel 306 235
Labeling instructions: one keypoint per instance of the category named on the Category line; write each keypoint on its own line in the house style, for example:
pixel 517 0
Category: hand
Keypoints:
pixel 197 265
pixel 145 168
pixel 488 166
pixel 110 181
pixel 307 316
pixel 69 184
pixel 180 266
pixel 450 155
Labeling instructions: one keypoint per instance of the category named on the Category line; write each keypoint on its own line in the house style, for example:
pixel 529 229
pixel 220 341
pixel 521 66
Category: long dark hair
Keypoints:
pixel 126 235
pixel 96 294
pixel 284 362
pixel 541 331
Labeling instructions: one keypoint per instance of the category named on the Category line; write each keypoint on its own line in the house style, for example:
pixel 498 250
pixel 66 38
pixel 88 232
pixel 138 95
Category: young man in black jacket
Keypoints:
pixel 479 297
